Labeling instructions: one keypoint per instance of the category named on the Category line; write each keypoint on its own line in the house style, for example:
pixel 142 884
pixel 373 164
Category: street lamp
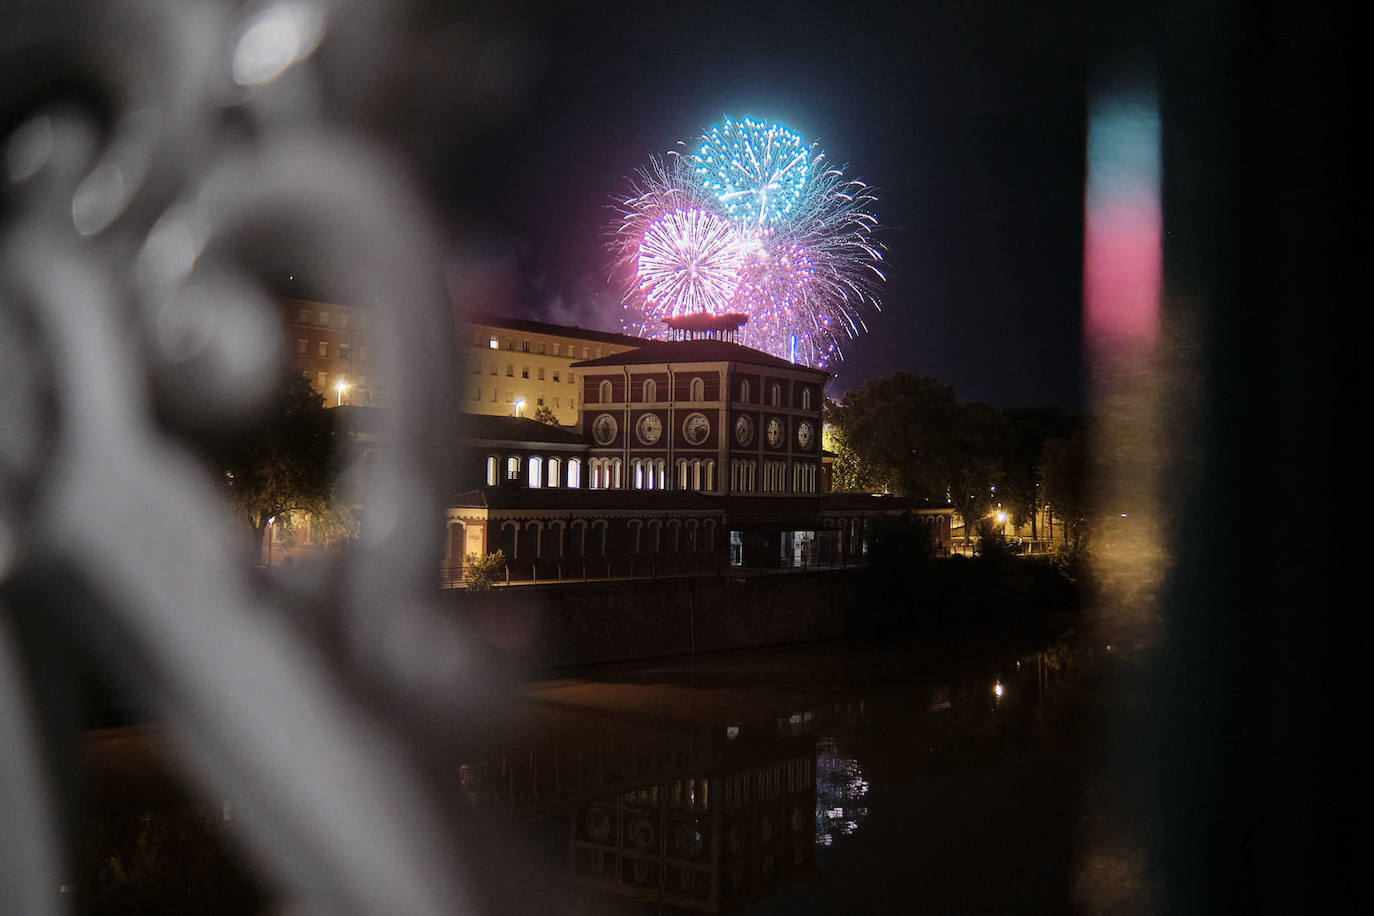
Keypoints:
pixel 519 402
pixel 340 388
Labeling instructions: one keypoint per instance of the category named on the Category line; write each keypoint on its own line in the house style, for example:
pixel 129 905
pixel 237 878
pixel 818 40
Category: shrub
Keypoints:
pixel 482 571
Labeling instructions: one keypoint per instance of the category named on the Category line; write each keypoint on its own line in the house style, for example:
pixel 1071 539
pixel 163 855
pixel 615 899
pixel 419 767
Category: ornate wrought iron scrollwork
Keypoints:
pixel 161 160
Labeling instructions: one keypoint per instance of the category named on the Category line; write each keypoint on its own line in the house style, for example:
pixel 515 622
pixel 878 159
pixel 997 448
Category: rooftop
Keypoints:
pixel 695 351
pixel 556 330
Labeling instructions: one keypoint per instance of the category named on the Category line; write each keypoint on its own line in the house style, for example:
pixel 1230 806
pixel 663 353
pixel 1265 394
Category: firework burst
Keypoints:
pixel 756 222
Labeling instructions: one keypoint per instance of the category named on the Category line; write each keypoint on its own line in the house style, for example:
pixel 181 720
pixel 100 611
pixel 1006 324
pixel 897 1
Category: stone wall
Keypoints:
pixel 565 624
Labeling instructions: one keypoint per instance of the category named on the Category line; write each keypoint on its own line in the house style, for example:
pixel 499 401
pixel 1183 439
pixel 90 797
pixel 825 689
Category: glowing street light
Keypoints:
pixel 519 402
pixel 340 389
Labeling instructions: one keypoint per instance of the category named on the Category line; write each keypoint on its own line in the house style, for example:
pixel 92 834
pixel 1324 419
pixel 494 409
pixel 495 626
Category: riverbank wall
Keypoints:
pixel 563 624
pixel 568 624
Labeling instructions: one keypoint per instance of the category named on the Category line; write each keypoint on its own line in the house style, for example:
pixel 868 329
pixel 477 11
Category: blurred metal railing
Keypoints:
pixel 164 160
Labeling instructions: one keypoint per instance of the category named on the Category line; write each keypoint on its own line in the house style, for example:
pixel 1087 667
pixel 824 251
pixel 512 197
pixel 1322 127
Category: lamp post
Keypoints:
pixel 519 403
pixel 339 389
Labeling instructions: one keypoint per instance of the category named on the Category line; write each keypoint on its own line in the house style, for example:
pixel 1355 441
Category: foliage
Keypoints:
pixel 482 571
pixel 285 463
pixel 544 414
pixel 853 473
pixel 1027 431
pixel 1062 472
pixel 900 427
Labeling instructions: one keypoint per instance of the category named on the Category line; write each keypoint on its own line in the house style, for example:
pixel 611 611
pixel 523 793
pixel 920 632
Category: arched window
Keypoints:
pixel 662 467
pixel 535 478
pixel 776 395
pixel 638 470
pixel 806 399
pixel 682 473
pixel 513 467
pixel 615 474
pixel 606 392
pixel 554 468
pixel 698 390
pixel 574 473
pixel 710 481
pixel 491 470
pixel 650 391
pixel 744 390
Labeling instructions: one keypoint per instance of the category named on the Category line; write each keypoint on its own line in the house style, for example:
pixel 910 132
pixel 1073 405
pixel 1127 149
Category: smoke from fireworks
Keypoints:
pixel 753 221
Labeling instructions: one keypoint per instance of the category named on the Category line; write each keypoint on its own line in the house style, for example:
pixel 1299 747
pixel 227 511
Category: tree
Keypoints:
pixel 285 463
pixel 900 428
pixel 1062 472
pixel 973 455
pixel 853 473
pixel 544 414
pixel 1028 429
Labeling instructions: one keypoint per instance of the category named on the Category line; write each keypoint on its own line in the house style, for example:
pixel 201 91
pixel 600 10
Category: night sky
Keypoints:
pixel 966 116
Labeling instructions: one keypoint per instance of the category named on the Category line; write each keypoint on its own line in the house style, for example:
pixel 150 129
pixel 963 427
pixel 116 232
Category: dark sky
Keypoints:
pixel 966 116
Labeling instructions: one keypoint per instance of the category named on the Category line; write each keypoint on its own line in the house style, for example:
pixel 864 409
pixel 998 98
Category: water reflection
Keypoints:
pixel 713 790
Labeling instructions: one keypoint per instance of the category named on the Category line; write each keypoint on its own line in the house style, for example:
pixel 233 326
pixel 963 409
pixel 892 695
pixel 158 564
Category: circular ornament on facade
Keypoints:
pixel 804 434
pixel 776 432
pixel 696 428
pixel 649 428
pixel 604 429
pixel 744 429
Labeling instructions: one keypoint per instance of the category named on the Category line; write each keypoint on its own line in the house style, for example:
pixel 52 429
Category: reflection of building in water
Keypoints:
pixel 840 788
pixel 701 842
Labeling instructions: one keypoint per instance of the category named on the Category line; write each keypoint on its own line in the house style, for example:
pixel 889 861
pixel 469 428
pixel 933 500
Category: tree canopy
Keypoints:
pixel 908 433
pixel 285 463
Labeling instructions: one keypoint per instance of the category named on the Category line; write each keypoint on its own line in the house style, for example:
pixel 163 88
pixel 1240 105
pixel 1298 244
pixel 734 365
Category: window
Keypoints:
pixel 555 375
pixel 491 470
pixel 324 319
pixel 698 390
pixel 491 368
pixel 524 371
pixel 493 343
pixel 806 399
pixel 510 370
pixel 541 373
pixel 513 467
pixel 606 392
pixel 556 350
pixel 584 353
pixel 554 468
pixel 574 473
pixel 539 401
pixel 541 349
pixel 302 346
pixel 344 352
pixel 744 390
pixel 304 316
pixel 776 395
pixel 323 348
pixel 524 346
pixel 535 477
pixel 650 391
pixel 510 397
pixel 321 381
pixel 477 393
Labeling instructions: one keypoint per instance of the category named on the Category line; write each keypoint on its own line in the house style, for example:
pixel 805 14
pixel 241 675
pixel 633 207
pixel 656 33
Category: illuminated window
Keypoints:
pixel 535 478
pixel 493 343
pixel 524 371
pixel 777 395
pixel 491 470
pixel 574 473
pixel 554 467
pixel 513 467
pixel 323 348
pixel 806 399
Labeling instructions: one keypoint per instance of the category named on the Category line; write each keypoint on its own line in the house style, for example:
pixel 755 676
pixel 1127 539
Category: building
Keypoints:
pixel 505 362
pixel 687 454
pixel 331 345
